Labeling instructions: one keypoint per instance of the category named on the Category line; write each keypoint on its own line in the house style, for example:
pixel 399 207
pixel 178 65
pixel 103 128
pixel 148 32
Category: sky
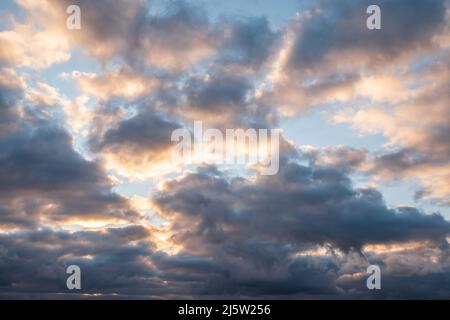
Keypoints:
pixel 87 175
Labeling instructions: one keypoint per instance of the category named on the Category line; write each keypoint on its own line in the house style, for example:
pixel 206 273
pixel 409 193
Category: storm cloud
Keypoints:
pixel 87 178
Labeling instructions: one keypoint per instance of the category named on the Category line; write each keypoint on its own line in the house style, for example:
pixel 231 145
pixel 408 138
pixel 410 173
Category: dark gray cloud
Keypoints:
pixel 146 131
pixel 135 146
pixel 43 177
pixel 411 163
pixel 399 161
pixel 341 27
pixel 240 238
pixel 40 168
pixel 405 275
pixel 33 263
pixel 145 35
pixel 328 52
pixel 224 99
pixel 254 230
pixel 217 94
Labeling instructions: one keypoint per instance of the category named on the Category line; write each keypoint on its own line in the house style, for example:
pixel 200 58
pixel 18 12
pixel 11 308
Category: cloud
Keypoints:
pixel 340 157
pixel 306 232
pixel 335 30
pixel 136 146
pixel 34 263
pixel 174 39
pixel 261 232
pixel 217 97
pixel 44 180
